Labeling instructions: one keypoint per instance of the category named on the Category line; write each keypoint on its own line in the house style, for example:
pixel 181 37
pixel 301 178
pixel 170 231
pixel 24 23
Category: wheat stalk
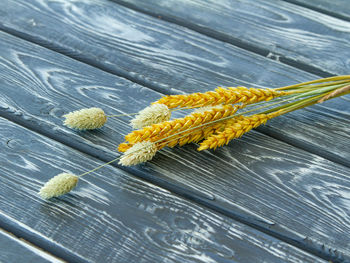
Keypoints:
pixel 335 93
pixel 221 95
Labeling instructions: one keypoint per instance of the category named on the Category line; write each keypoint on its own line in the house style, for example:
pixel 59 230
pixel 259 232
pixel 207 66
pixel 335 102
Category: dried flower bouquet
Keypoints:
pixel 217 117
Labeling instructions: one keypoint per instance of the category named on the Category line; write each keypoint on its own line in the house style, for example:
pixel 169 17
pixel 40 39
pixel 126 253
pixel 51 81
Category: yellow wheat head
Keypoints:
pixel 165 132
pixel 199 134
pixel 238 127
pixel 231 95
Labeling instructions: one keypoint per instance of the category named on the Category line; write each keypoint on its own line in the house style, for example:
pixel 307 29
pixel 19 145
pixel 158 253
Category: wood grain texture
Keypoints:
pixel 337 8
pixel 280 189
pixel 13 249
pixel 114 217
pixel 173 59
pixel 298 35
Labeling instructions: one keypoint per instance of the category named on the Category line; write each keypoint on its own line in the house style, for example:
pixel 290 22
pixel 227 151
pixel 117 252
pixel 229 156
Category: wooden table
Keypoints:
pixel 279 194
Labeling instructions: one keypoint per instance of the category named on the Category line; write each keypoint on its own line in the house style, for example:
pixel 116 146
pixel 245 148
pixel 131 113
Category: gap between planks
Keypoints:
pixel 319 9
pixel 21 245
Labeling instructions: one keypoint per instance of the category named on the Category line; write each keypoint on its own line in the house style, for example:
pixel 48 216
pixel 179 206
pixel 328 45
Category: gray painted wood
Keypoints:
pixel 336 8
pixel 13 249
pixel 299 36
pixel 279 189
pixel 114 217
pixel 172 59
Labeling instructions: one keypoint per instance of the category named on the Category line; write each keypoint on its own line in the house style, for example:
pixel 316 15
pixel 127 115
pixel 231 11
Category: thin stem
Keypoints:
pixel 303 104
pixel 93 170
pixel 120 115
pixel 288 105
pixel 338 92
pixel 345 77
pixel 320 90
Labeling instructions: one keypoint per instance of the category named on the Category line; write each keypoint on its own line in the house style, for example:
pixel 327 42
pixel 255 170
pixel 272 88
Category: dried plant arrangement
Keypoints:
pixel 216 118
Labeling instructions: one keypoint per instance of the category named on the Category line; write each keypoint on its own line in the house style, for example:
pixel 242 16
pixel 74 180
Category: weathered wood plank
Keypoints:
pixel 336 8
pixel 114 217
pixel 297 35
pixel 173 59
pixel 13 249
pixel 248 180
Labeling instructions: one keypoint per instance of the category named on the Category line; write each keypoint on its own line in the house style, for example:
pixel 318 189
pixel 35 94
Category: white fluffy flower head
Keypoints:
pixel 139 153
pixel 85 119
pixel 153 114
pixel 58 185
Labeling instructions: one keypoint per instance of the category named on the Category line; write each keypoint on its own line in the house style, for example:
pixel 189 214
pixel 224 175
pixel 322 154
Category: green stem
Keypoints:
pixel 336 78
pixel 320 90
pixel 93 170
pixel 303 104
pixel 120 115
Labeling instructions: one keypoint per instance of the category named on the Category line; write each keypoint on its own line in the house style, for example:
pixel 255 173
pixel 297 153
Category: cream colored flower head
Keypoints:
pixel 85 119
pixel 153 114
pixel 139 153
pixel 58 185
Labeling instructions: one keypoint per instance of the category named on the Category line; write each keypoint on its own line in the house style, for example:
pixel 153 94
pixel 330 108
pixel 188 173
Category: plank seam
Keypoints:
pixel 285 235
pixel 305 146
pixel 52 248
pixel 318 9
pixel 27 243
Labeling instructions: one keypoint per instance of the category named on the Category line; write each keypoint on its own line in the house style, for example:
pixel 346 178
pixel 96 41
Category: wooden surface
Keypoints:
pixel 157 59
pixel 277 195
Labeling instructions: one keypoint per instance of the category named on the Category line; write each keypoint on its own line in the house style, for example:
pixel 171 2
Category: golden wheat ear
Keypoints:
pixel 236 129
pixel 231 95
pixel 165 129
